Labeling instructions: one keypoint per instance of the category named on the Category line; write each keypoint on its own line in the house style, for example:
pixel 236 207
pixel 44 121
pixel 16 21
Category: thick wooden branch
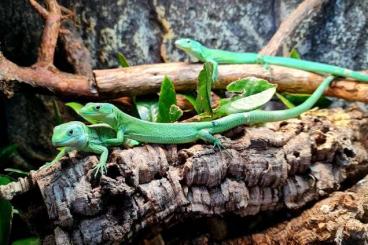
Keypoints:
pixel 304 11
pixel 146 79
pixel 64 84
pixel 280 165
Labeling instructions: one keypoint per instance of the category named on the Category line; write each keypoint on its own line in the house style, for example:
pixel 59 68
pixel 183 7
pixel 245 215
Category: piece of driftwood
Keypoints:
pixel 280 165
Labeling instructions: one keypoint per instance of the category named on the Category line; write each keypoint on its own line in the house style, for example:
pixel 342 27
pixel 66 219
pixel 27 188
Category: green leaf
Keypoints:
pixel 298 99
pixel 17 171
pixel 75 106
pixel 248 86
pixel 294 54
pixel 7 151
pixel 58 118
pixel 147 110
pixel 192 100
pixel 28 241
pixel 243 104
pixel 203 100
pixel 122 60
pixel 166 102
pixel 175 113
pixel 285 101
pixel 6 214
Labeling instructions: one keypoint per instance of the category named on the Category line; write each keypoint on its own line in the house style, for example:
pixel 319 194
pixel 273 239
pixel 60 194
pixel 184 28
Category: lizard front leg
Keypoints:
pixel 119 140
pixel 99 149
pixel 62 153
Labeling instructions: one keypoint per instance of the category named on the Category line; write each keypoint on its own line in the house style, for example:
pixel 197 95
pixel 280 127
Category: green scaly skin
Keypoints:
pixel 77 136
pixel 217 56
pixel 177 133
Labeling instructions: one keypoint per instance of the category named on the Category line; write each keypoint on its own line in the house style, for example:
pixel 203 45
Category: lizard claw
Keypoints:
pixel 100 168
pixel 220 147
pixel 47 164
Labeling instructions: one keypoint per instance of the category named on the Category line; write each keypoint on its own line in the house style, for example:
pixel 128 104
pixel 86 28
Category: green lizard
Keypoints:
pixel 177 133
pixel 77 136
pixel 216 56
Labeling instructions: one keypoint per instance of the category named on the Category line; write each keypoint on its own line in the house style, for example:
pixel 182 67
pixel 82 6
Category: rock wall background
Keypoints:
pixel 144 30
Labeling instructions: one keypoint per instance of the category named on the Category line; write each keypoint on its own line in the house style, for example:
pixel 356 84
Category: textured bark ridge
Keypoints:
pixel 341 219
pixel 279 165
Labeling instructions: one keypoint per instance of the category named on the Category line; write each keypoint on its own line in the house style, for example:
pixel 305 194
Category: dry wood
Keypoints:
pixel 62 83
pixel 304 11
pixel 50 32
pixel 145 79
pixel 281 165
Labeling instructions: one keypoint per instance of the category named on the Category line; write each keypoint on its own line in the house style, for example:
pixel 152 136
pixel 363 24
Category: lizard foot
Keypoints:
pixel 218 146
pixel 46 165
pixel 100 168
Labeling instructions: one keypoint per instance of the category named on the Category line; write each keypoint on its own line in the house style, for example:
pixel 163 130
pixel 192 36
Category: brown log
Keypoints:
pixel 304 11
pixel 145 79
pixel 280 165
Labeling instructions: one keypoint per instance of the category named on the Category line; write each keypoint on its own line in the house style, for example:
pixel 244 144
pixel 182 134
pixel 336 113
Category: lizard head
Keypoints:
pixel 191 47
pixel 98 112
pixel 72 134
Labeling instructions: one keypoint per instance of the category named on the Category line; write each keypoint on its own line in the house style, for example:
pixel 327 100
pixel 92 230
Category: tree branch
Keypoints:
pixel 64 84
pixel 50 32
pixel 291 23
pixel 145 79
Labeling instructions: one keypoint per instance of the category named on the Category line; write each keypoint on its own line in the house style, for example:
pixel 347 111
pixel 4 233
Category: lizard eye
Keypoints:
pixel 70 132
pixel 97 107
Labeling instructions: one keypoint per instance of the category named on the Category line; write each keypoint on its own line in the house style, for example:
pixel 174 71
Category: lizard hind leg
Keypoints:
pixel 205 135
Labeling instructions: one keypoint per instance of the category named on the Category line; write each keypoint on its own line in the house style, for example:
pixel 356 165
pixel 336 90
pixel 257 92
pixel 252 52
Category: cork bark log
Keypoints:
pixel 283 165
pixel 340 218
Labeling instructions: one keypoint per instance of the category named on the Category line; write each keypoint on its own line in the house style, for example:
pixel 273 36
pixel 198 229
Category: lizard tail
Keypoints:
pixel 260 116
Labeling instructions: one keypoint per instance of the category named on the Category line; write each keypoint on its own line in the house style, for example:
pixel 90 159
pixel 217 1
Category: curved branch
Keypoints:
pixel 291 23
pixel 64 84
pixel 50 32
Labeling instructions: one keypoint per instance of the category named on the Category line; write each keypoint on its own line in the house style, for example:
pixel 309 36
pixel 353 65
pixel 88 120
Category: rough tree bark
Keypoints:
pixel 283 165
pixel 340 219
